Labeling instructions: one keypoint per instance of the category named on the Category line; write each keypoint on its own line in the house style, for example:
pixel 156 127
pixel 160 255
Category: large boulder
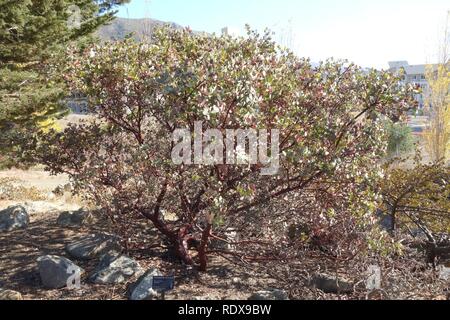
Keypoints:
pixel 76 218
pixel 13 217
pixel 10 295
pixel 142 289
pixel 55 271
pixel 331 284
pixel 115 268
pixel 93 246
pixel 270 294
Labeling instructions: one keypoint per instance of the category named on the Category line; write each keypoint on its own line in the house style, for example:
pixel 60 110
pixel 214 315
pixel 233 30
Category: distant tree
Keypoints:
pixel 331 141
pixel 437 136
pixel 33 36
pixel 400 138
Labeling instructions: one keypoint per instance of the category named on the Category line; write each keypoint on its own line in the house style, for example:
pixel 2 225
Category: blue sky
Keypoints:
pixel 368 32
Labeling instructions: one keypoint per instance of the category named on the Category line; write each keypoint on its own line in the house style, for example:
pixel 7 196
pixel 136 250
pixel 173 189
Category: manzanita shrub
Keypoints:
pixel 331 137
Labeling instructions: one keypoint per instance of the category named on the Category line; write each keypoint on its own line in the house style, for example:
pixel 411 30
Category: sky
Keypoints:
pixel 367 32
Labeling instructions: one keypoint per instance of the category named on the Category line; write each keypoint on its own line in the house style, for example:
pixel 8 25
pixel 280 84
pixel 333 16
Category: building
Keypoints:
pixel 415 75
pixel 412 74
pixel 229 31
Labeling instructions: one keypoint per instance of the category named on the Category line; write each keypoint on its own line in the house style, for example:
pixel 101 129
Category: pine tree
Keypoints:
pixel 33 36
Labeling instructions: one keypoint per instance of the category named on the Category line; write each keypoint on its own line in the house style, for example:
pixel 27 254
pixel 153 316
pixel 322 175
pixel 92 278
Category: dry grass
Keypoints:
pixel 10 189
pixel 35 177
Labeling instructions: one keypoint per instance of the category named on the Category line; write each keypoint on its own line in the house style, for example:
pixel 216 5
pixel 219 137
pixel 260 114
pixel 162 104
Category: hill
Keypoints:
pixel 140 28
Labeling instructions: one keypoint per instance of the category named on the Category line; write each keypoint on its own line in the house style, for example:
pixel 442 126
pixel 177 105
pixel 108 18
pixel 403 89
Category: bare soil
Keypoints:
pixel 224 280
pixel 20 249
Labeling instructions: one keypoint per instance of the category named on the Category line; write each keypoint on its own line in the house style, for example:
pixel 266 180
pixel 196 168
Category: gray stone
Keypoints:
pixel 55 271
pixel 385 221
pixel 142 288
pixel 114 269
pixel 10 295
pixel 270 294
pixel 76 218
pixel 93 246
pixel 444 272
pixel 331 284
pixel 13 217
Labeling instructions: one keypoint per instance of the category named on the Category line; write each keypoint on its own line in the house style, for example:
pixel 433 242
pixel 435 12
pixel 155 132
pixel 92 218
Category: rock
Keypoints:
pixel 270 294
pixel 114 269
pixel 444 273
pixel 330 284
pixel 55 271
pixel 385 221
pixel 14 217
pixel 142 288
pixel 75 218
pixel 10 295
pixel 93 246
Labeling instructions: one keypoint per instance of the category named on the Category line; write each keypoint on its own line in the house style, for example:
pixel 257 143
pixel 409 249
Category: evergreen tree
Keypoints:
pixel 401 140
pixel 33 36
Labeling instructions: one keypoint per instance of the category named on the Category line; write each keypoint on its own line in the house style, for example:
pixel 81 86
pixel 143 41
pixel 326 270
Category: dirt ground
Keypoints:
pixel 20 249
pixel 35 178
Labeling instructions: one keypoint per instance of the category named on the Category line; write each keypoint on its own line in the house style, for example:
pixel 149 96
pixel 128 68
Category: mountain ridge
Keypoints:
pixel 141 29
